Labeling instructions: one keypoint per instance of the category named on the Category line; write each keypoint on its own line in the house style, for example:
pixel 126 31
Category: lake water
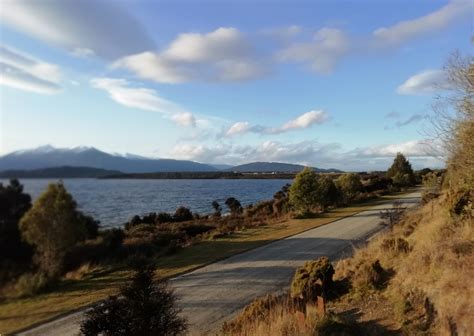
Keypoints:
pixel 114 202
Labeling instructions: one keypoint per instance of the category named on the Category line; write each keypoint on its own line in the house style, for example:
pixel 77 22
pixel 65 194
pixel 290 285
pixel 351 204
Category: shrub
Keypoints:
pixel 217 208
pixel 234 206
pixel 305 281
pixel 145 308
pixel 113 238
pixel 32 283
pixel 329 194
pixel 182 214
pixel 304 193
pixel 401 172
pixel 349 185
pixel 164 217
pixel 14 203
pixel 53 225
pixel 194 230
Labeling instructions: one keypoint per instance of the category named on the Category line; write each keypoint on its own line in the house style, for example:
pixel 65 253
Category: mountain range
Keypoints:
pixel 81 161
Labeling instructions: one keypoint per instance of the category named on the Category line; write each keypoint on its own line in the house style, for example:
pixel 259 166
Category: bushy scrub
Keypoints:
pixel 313 279
pixel 350 186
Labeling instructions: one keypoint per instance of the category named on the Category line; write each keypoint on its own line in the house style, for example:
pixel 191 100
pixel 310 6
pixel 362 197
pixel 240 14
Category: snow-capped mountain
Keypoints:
pixel 49 156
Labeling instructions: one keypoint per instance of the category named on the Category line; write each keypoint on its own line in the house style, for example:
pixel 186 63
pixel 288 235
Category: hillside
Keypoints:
pixel 48 156
pixel 268 167
pixel 59 172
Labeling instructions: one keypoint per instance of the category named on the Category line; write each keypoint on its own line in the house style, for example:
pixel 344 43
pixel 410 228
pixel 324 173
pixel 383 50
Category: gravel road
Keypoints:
pixel 213 294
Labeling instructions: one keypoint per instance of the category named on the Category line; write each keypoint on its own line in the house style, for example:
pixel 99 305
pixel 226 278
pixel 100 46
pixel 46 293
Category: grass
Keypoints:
pixel 71 295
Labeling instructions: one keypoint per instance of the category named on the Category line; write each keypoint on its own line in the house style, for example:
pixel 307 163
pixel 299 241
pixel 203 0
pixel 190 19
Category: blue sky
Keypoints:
pixel 342 84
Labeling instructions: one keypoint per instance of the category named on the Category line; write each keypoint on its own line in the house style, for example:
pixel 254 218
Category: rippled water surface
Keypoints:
pixel 113 202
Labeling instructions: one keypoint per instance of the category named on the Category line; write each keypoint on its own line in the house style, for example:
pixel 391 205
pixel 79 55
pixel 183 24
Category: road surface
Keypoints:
pixel 214 293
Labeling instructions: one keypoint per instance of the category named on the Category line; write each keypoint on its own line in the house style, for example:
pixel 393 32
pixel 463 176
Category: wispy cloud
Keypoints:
pixel 83 27
pixel 122 92
pixel 406 30
pixel 422 83
pixel 321 54
pixel 221 55
pixel 25 72
pixel 303 121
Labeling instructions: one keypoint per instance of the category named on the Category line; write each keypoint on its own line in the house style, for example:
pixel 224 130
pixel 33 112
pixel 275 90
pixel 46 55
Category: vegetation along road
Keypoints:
pixel 214 293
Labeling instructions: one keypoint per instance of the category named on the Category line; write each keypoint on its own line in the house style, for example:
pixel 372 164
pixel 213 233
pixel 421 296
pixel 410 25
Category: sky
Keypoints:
pixel 332 84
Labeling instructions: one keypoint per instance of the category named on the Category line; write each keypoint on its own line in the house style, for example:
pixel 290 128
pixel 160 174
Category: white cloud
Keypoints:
pixel 282 33
pixel 409 29
pixel 415 148
pixel 198 153
pixel 426 82
pixel 101 27
pixel 221 55
pixel 184 119
pixel 83 52
pixel 240 127
pixel 26 72
pixel 330 155
pixel 321 54
pixel 303 121
pixel 121 91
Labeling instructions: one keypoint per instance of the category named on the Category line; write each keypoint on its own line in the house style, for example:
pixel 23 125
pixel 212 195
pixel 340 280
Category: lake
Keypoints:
pixel 114 202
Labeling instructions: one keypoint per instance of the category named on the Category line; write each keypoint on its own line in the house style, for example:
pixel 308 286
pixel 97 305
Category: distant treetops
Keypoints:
pixel 311 191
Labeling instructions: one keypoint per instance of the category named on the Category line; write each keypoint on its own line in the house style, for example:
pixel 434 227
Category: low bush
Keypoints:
pixel 313 279
pixel 32 283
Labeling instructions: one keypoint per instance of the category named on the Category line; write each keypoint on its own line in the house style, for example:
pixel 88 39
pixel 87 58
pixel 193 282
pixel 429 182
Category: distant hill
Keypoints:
pixel 59 172
pixel 221 166
pixel 48 156
pixel 267 167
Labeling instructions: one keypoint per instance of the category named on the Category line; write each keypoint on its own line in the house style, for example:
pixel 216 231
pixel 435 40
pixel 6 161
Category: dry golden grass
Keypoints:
pixel 437 269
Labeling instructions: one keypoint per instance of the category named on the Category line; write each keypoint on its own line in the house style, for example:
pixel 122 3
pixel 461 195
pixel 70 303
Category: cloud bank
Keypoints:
pixel 223 55
pixel 83 27
pixel 312 153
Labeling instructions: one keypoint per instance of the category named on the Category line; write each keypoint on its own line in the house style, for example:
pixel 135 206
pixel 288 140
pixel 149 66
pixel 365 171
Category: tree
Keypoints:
pixel 53 226
pixel 329 194
pixel 401 172
pixel 234 206
pixel 144 308
pixel 349 185
pixel 217 208
pixel 304 192
pixel 14 203
pixel 182 214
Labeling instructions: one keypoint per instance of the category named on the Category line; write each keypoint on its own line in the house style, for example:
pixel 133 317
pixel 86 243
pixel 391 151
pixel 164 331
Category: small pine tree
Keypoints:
pixel 304 192
pixel 234 206
pixel 401 172
pixel 145 308
pixel 53 226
